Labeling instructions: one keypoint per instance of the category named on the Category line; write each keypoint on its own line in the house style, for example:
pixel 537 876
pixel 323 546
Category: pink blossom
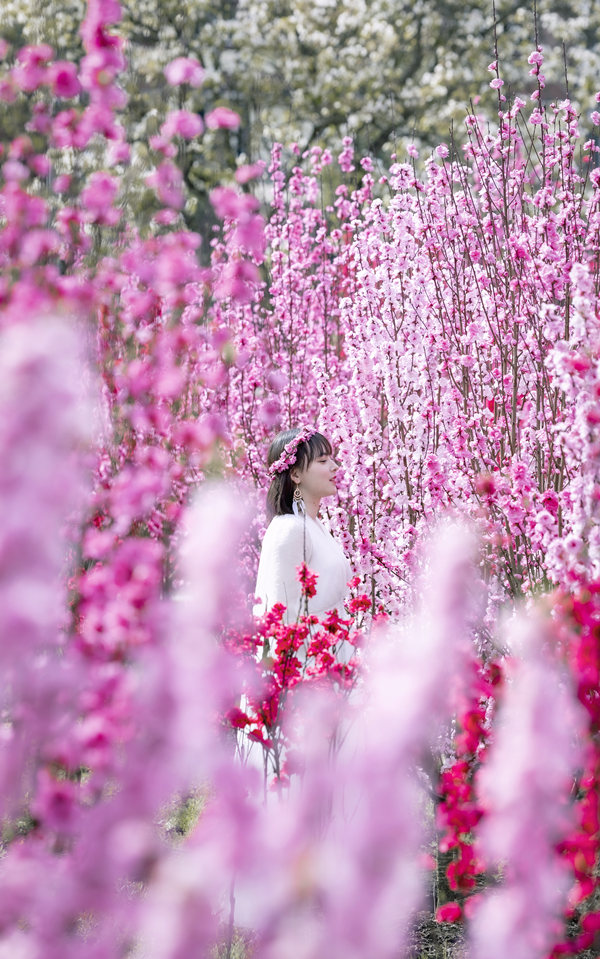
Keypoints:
pixel 119 152
pixel 98 197
pixel 65 129
pixel 63 79
pixel 184 70
pixel 8 90
pixel 100 14
pixel 38 244
pixel 238 281
pixel 168 183
pixel 166 217
pixel 162 145
pixel 182 123
pixel 276 380
pixel 426 330
pixel 229 203
pixel 249 236
pixel 40 164
pixel 346 157
pixel 222 118
pixel 248 172
pixel 31 69
pixel 55 803
pixel 270 413
pixel 97 74
pixel 14 170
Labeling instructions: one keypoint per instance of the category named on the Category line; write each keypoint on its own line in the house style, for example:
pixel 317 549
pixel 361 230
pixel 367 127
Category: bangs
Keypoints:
pixel 317 445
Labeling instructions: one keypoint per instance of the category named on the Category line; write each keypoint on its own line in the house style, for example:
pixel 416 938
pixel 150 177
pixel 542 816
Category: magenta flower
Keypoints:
pixel 449 912
pixel 99 15
pixel 63 79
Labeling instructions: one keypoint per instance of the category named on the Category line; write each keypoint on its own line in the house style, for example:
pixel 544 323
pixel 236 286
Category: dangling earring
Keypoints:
pixel 298 502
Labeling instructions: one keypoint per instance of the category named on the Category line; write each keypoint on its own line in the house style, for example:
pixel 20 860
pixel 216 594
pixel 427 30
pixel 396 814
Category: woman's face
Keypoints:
pixel 318 478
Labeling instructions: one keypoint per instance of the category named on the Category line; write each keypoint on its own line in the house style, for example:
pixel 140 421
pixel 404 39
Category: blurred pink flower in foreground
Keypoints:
pixel 526 786
pixel 43 420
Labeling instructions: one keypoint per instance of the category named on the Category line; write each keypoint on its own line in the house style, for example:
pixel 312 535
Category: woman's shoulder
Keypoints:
pixel 286 529
pixel 285 525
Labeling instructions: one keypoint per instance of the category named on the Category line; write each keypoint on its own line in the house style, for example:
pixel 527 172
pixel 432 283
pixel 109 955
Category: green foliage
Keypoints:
pixel 183 814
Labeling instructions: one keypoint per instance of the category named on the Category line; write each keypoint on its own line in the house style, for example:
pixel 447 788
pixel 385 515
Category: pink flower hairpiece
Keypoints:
pixel 290 451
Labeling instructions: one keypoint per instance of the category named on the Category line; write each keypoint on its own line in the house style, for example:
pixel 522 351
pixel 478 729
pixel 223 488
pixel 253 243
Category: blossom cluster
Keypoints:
pixel 290 451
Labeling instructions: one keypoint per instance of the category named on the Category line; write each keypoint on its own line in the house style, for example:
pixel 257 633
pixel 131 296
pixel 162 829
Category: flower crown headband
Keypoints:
pixel 290 451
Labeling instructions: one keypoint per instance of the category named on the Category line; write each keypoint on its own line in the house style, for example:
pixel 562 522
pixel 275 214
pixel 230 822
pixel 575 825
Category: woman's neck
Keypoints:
pixel 312 507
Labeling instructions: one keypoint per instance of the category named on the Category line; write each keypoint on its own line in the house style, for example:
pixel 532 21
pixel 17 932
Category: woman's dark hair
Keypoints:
pixel 281 490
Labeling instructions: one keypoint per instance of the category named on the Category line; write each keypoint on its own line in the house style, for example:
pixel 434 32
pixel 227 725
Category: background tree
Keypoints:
pixel 385 72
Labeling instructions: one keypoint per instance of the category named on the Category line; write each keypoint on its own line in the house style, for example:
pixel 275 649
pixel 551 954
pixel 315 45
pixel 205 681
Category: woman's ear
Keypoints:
pixel 295 475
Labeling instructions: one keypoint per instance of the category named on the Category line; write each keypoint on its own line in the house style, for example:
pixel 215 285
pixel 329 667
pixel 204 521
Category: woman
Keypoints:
pixel 302 470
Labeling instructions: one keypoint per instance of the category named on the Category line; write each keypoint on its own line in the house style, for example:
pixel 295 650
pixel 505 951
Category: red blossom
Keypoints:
pixel 449 912
pixel 237 718
pixel 307 580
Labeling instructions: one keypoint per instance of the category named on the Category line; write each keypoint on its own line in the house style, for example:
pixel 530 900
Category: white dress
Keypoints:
pixel 289 541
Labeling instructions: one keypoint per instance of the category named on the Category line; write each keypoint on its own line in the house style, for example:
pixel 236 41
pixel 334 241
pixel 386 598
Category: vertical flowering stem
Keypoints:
pixel 526 788
pixel 43 420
